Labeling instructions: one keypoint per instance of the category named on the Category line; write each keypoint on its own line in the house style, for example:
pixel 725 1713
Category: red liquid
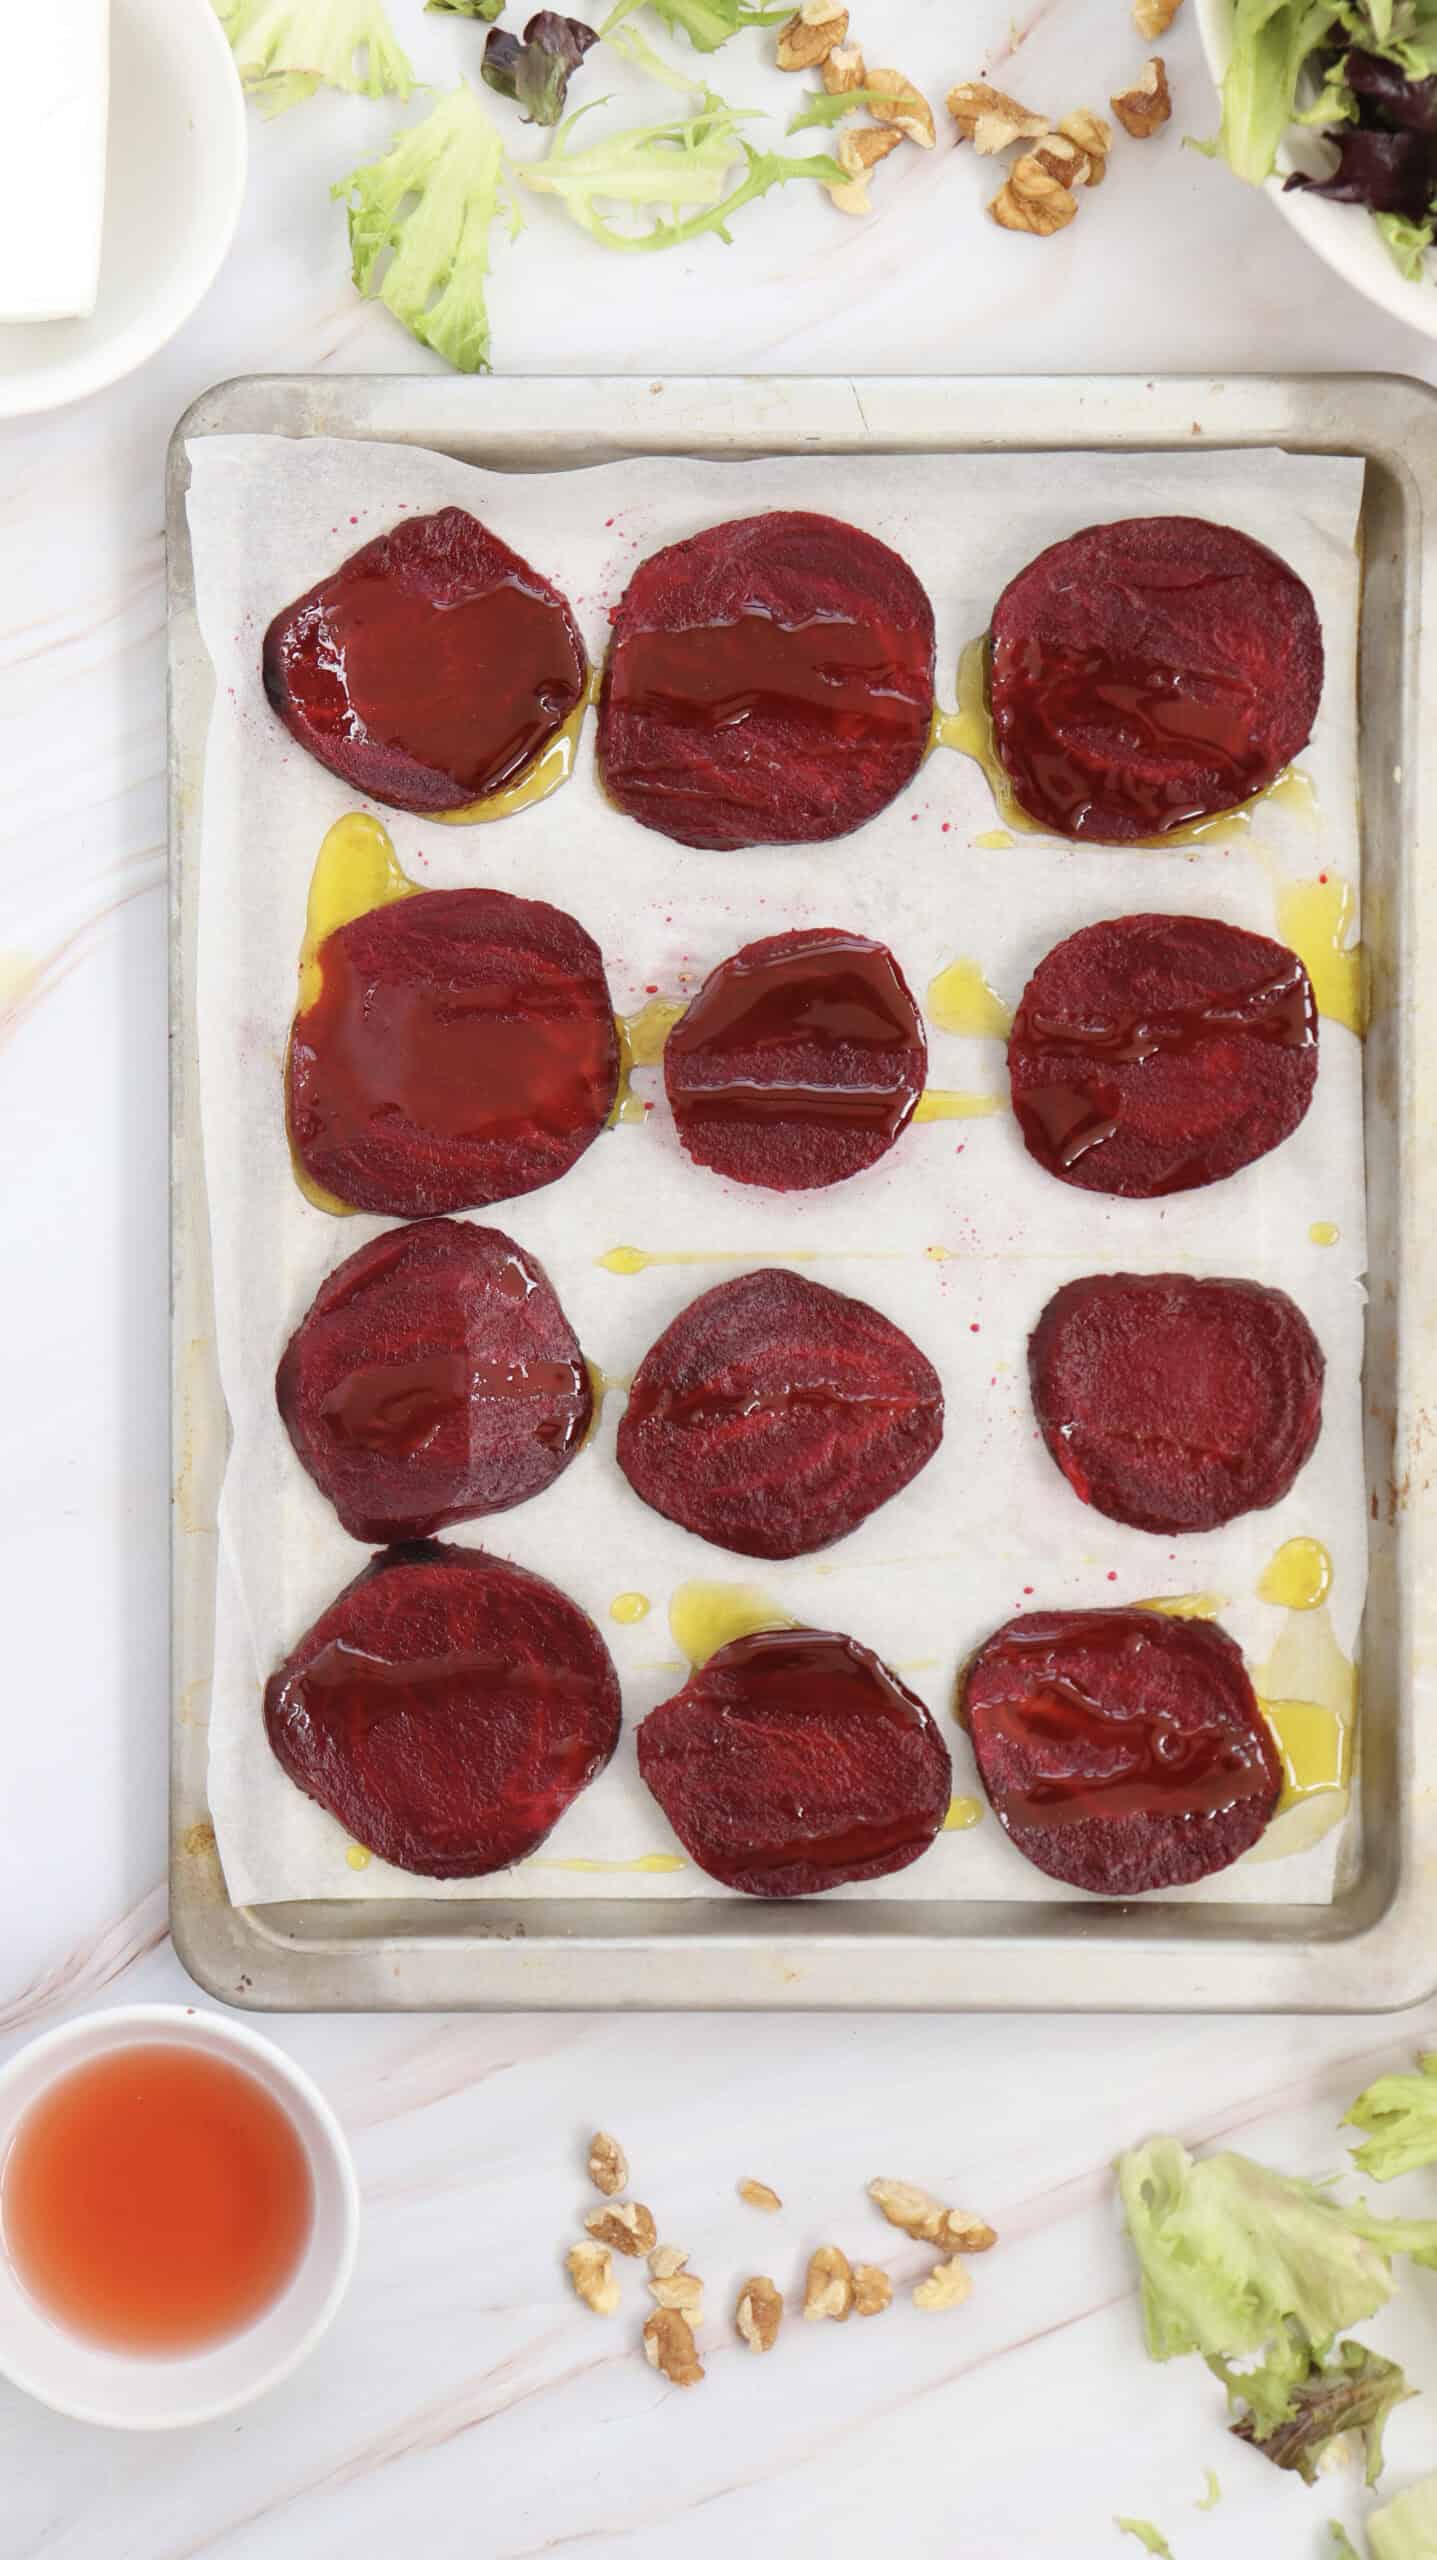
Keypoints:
pixel 1156 723
pixel 156 2200
pixel 396 1410
pixel 827 672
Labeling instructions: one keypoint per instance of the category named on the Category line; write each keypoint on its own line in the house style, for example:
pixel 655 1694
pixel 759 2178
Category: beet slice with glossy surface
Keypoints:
pixel 774 1415
pixel 430 668
pixel 1121 1750
pixel 769 681
pixel 435 1378
pixel 461 1050
pixel 446 1709
pixel 1152 1054
pixel 1174 1404
pixel 793 1761
pixel 799 1062
pixel 1148 674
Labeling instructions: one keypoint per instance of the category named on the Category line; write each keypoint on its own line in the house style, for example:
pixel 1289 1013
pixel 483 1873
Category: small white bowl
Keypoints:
pixel 1342 234
pixel 114 2390
pixel 173 192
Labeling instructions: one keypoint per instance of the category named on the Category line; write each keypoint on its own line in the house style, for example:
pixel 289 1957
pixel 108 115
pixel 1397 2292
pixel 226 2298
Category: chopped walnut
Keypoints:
pixel 899 103
pixel 669 2346
pixel 1141 109
pixel 629 2228
pixel 924 2217
pixel 1060 156
pixel 810 35
pixel 858 153
pixel 759 2314
pixel 680 2293
pixel 1152 18
pixel 949 2283
pixel 666 2260
pixel 753 2191
pixel 1094 137
pixel 844 70
pixel 828 2286
pixel 872 2290
pixel 990 119
pixel 607 2166
pixel 1030 199
pixel 591 2272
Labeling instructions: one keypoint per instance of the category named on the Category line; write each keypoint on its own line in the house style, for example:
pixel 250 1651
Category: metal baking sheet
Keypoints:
pixel 1365 1951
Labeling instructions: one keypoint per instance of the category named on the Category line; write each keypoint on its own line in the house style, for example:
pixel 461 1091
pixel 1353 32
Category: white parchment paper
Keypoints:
pixel 957 1235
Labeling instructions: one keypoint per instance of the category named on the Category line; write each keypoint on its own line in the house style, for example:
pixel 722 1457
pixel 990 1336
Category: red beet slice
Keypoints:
pixel 461 1050
pixel 769 682
pixel 799 1061
pixel 1151 673
pixel 1121 1750
pixel 774 1415
pixel 446 1709
pixel 435 1378
pixel 1174 1404
pixel 1157 1053
pixel 795 1761
pixel 430 668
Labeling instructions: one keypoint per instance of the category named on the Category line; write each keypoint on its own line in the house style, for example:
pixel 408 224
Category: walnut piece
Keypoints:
pixel 828 2286
pixel 680 2293
pixel 872 2290
pixel 1032 200
pixel 629 2228
pixel 844 70
pixel 753 2191
pixel 666 2260
pixel 669 2346
pixel 1152 18
pixel 608 2168
pixel 1060 156
pixel 949 2283
pixel 1141 109
pixel 924 2217
pixel 1094 137
pixel 810 35
pixel 759 2314
pixel 899 103
pixel 990 119
pixel 591 2272
pixel 858 153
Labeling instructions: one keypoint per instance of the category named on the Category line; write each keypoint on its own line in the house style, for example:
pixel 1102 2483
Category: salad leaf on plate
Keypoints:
pixel 419 223
pixel 1398 2113
pixel 1271 43
pixel 286 49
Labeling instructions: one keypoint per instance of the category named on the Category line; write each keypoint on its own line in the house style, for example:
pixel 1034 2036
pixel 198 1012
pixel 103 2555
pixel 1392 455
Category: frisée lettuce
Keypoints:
pixel 419 224
pixel 286 49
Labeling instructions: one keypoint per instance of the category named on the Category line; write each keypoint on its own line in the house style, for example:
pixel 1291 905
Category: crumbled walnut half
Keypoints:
pixel 925 2217
pixel 607 2166
pixel 669 2346
pixel 591 2272
pixel 753 2191
pixel 1032 200
pixel 666 2260
pixel 810 35
pixel 990 119
pixel 828 2286
pixel 899 103
pixel 872 2290
pixel 680 2293
pixel 949 2283
pixel 1141 109
pixel 1060 156
pixel 629 2228
pixel 1094 137
pixel 1152 18
pixel 844 70
pixel 759 2314
pixel 858 153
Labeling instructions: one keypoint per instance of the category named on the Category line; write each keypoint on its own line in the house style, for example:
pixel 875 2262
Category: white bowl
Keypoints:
pixel 174 187
pixel 1342 234
pixel 115 2390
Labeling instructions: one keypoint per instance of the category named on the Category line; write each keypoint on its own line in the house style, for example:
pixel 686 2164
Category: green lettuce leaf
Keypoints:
pixel 1399 2112
pixel 286 49
pixel 683 165
pixel 1271 40
pixel 1211 2494
pixel 1147 2534
pixel 431 201
pixel 1407 2529
pixel 1343 2543
pixel 468 8
pixel 1293 2419
pixel 706 23
pixel 823 109
pixel 634 47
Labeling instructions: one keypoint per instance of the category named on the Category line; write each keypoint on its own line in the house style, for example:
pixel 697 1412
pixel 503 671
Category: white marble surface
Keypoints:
pixel 464 2403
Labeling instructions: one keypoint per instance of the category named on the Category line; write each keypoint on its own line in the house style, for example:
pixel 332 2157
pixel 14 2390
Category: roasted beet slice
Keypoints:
pixel 798 1062
pixel 435 1378
pixel 1175 1404
pixel 1151 673
pixel 430 668
pixel 769 681
pixel 1158 1053
pixel 446 1709
pixel 774 1415
pixel 793 1761
pixel 1121 1750
pixel 461 1050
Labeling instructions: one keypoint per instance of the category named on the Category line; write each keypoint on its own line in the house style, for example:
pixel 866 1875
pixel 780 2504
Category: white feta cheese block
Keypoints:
pixel 54 113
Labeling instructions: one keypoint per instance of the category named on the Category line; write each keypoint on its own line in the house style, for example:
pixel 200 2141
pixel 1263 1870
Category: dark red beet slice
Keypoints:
pixel 1121 1750
pixel 435 1378
pixel 430 668
pixel 1174 1404
pixel 799 1061
pixel 1151 673
pixel 769 682
pixel 795 1761
pixel 774 1415
pixel 446 1709
pixel 1156 1053
pixel 461 1050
